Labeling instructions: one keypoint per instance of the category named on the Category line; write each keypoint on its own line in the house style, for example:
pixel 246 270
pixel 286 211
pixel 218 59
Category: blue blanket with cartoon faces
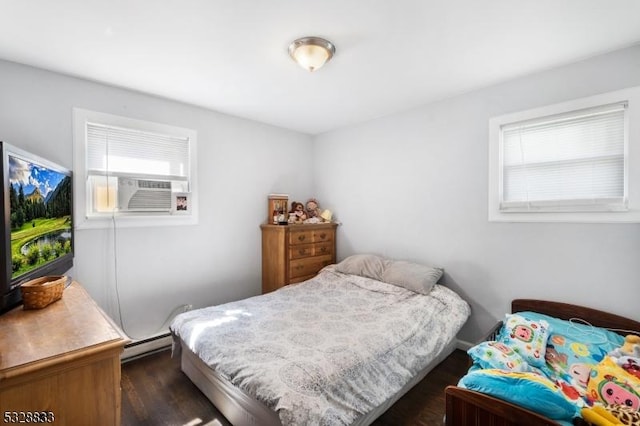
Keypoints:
pixel 541 363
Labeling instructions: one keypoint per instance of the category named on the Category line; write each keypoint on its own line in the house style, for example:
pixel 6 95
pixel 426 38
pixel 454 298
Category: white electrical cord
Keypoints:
pixel 172 314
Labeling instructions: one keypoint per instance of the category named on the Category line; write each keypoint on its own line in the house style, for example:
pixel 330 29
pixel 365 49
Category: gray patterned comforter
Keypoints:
pixel 326 351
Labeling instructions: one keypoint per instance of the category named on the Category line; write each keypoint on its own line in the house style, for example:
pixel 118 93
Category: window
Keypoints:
pixel 139 172
pixel 567 162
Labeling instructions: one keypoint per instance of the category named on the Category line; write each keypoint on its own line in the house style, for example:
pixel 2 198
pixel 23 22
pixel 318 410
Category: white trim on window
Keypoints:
pixel 532 189
pixel 136 150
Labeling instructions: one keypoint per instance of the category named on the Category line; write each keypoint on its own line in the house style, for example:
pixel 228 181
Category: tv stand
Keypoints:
pixel 61 362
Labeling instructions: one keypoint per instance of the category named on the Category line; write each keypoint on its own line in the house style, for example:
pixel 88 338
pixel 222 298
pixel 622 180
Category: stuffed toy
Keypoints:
pixel 297 213
pixel 599 416
pixel 625 415
pixel 313 208
pixel 612 415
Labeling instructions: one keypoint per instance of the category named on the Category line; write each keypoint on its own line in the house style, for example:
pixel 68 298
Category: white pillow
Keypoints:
pixel 365 265
pixel 412 276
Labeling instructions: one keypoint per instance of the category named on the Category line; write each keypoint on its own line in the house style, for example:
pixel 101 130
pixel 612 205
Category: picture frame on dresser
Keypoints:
pixel 277 208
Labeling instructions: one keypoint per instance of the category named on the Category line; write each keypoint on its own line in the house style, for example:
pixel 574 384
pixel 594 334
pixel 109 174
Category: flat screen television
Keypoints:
pixel 36 232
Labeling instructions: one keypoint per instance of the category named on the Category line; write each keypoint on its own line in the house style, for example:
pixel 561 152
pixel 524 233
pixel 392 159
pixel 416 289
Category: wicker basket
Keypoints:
pixel 43 291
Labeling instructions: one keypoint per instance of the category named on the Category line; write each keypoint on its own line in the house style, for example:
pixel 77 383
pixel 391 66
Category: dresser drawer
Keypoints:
pixel 300 237
pixel 308 265
pixel 299 251
pixel 322 235
pixel 321 249
pixel 306 237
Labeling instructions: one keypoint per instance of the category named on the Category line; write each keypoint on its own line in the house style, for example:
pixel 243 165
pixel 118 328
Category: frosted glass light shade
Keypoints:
pixel 311 53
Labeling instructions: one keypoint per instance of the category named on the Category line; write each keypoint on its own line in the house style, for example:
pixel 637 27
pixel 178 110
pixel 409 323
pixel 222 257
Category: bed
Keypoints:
pixel 340 348
pixel 465 406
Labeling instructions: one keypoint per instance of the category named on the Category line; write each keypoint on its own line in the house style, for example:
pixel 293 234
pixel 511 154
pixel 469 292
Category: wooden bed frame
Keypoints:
pixel 466 407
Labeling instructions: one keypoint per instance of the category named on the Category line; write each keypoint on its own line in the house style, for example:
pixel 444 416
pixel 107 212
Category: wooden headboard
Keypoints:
pixel 566 311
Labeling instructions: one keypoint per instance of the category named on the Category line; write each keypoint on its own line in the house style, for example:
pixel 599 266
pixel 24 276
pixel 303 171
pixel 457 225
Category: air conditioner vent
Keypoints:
pixel 154 184
pixel 147 200
pixel 141 195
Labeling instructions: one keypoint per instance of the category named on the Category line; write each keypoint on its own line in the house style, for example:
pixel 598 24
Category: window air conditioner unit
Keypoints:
pixel 140 195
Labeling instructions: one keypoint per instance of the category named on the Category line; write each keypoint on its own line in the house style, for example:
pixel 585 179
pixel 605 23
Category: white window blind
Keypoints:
pixel 117 151
pixel 573 161
pixel 140 173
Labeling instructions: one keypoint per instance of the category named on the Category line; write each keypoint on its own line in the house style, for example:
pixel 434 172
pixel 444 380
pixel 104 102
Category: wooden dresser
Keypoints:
pixel 294 253
pixel 60 363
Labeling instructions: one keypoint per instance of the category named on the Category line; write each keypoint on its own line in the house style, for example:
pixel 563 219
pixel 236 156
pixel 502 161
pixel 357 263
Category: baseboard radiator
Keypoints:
pixel 139 348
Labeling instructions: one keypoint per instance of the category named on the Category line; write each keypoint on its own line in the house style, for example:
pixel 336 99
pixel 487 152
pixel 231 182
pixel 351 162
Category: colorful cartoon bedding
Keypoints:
pixel 560 369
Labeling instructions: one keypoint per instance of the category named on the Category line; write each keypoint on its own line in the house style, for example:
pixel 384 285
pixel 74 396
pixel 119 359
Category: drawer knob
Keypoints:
pixel 301 237
pixel 303 251
pixel 299 267
pixel 323 249
pixel 323 236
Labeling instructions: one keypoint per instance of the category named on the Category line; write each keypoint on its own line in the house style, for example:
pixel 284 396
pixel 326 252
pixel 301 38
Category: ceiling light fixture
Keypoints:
pixel 311 53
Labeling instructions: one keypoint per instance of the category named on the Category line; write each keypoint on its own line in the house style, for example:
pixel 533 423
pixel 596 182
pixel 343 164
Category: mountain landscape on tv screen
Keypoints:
pixel 40 207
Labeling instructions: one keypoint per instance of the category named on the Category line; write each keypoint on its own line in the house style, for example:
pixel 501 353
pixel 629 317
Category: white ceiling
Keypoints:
pixel 231 55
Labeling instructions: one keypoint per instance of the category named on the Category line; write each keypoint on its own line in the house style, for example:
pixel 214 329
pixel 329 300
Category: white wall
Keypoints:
pixel 239 163
pixel 414 186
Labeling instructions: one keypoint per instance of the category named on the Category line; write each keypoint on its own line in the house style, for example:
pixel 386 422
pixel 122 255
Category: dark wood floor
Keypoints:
pixel 156 392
